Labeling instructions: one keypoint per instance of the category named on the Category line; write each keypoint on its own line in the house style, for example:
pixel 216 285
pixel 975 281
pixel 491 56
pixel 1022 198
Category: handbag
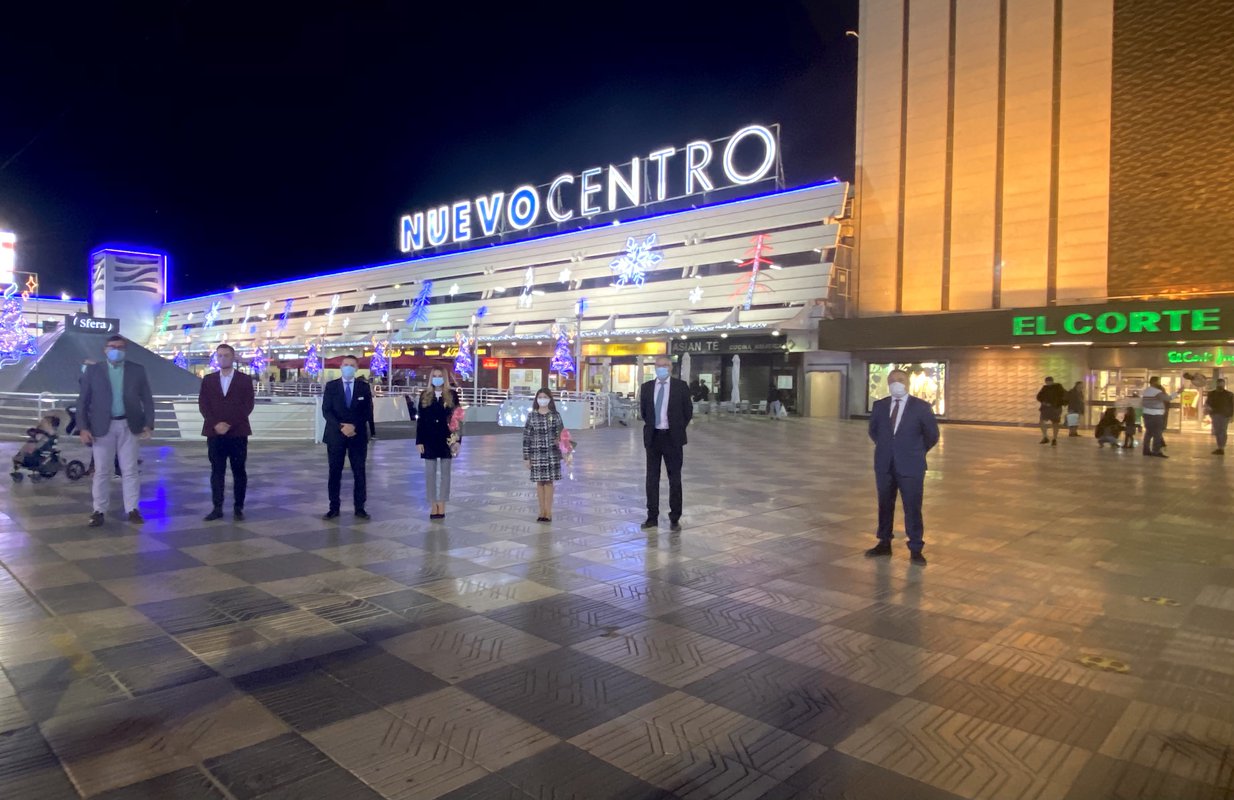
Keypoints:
pixel 1073 420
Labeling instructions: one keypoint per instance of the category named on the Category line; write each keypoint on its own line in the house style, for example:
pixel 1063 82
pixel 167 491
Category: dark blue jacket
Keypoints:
pixel 907 448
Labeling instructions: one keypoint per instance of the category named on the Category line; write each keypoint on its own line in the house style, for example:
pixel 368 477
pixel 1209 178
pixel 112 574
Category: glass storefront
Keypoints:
pixel 1121 388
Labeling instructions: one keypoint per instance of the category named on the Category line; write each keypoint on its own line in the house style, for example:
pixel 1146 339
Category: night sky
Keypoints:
pixel 258 145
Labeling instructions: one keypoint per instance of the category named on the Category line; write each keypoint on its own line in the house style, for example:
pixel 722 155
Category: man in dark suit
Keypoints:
pixel 114 408
pixel 347 405
pixel 226 400
pixel 903 429
pixel 666 409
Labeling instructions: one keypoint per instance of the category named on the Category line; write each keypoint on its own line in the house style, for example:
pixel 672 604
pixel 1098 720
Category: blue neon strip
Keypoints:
pixel 409 261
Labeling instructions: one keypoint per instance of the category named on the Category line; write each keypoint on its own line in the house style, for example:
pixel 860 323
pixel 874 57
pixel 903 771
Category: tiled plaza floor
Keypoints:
pixel 755 655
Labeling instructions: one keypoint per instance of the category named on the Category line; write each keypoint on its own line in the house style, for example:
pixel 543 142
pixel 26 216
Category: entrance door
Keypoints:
pixel 825 388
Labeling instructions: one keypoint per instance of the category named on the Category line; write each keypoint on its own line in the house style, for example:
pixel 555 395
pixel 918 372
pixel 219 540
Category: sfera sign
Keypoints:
pixel 748 156
pixel 84 323
pixel 1112 323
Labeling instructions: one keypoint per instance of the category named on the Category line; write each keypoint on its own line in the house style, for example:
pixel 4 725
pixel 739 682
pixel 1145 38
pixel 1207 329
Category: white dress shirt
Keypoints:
pixel 903 401
pixel 225 377
pixel 662 422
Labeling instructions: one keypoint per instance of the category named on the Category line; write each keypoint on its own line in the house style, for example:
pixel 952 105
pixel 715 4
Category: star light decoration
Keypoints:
pixel 564 275
pixel 212 314
pixel 696 294
pixel 631 267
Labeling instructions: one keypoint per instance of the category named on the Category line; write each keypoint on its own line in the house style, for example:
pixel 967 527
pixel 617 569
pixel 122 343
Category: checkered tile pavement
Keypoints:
pixel 1072 637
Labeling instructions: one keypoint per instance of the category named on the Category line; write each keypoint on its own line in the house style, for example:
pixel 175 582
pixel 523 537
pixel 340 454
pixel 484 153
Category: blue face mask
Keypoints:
pixel 439 381
pixel 115 355
pixel 661 372
pixel 348 371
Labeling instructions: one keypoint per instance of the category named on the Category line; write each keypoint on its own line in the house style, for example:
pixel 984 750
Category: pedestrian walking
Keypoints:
pixel 1220 407
pixel 1075 408
pixel 1051 399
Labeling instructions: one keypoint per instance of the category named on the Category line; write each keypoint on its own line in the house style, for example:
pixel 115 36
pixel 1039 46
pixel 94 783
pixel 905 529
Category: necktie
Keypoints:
pixel 347 393
pixel 895 415
pixel 660 392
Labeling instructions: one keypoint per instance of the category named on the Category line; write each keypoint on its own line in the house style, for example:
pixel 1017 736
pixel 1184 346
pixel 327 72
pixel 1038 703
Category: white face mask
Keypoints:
pixel 898 389
pixel 542 402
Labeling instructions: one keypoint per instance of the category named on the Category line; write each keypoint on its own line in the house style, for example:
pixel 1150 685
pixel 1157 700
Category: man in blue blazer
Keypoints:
pixel 903 430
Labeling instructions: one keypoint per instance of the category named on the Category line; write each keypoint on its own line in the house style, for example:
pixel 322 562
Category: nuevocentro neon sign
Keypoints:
pixel 1113 323
pixel 689 170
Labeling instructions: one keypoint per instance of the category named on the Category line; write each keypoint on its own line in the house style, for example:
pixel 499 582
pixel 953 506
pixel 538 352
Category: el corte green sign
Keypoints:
pixel 1212 358
pixel 1114 323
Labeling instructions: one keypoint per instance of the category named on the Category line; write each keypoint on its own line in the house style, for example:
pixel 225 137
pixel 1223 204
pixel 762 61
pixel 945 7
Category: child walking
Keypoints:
pixel 1129 429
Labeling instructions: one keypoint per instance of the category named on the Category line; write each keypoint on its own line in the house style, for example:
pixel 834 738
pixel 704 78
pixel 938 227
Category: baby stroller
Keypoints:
pixel 40 458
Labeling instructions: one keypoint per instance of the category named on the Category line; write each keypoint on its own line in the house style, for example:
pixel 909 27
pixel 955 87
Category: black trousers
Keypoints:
pixel 1154 433
pixel 355 450
pixel 663 449
pixel 226 450
pixel 911 489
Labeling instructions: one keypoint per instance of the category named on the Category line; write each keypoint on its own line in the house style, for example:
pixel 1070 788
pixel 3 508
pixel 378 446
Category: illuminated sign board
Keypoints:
pixel 748 156
pixel 1211 358
pixel 1113 323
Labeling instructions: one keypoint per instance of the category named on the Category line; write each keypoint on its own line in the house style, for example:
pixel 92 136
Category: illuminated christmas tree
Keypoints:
pixel 563 360
pixel 15 340
pixel 312 361
pixel 214 360
pixel 464 362
pixel 258 362
pixel 379 364
pixel 419 306
pixel 747 285
pixel 180 360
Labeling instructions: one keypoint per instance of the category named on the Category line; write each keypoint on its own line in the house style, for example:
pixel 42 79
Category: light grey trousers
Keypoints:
pixel 437 479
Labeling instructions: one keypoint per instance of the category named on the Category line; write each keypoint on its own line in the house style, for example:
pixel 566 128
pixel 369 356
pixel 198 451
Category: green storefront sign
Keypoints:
pixel 1118 323
pixel 1209 358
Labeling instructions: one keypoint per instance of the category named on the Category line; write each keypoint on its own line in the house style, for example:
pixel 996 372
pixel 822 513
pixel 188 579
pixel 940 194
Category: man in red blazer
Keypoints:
pixel 226 400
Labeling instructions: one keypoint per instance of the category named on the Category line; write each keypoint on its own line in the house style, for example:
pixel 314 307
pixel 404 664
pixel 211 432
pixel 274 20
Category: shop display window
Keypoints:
pixel 926 380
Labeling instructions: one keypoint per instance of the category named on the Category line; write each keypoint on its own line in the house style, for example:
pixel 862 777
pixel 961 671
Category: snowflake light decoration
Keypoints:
pixel 696 294
pixel 282 323
pixel 631 267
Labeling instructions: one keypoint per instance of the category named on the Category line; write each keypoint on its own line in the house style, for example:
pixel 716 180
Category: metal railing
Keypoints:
pixel 20 411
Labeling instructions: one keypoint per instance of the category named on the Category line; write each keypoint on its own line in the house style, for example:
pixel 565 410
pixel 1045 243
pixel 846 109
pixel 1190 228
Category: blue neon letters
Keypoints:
pixel 592 191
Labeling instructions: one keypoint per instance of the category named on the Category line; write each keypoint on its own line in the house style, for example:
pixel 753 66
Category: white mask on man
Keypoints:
pixel 898 390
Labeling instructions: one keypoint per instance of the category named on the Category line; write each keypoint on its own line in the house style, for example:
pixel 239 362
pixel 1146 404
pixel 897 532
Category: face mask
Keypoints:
pixel 661 372
pixel 348 371
pixel 114 355
pixel 898 389
pixel 542 402
pixel 439 381
pixel 83 368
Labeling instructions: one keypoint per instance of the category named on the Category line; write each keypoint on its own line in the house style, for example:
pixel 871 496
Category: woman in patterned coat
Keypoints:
pixel 542 450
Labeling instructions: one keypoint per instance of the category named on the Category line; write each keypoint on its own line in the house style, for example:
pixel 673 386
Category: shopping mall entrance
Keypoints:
pixel 1122 387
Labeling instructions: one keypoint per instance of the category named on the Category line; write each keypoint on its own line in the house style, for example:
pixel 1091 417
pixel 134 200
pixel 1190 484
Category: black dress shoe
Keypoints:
pixel 135 517
pixel 1220 451
pixel 650 522
pixel 331 514
pixel 238 514
pixel 675 527
pixel 96 519
pixel 879 550
pixel 361 514
pixel 918 559
pixel 213 515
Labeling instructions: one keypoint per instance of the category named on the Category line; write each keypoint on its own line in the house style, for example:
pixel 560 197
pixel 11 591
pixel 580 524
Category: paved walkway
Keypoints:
pixel 1072 636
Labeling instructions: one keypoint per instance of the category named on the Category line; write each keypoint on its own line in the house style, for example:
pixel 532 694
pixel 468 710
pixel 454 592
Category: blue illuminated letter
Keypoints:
pixel 490 212
pixel 523 208
pixel 462 221
pixel 413 232
pixel 438 225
